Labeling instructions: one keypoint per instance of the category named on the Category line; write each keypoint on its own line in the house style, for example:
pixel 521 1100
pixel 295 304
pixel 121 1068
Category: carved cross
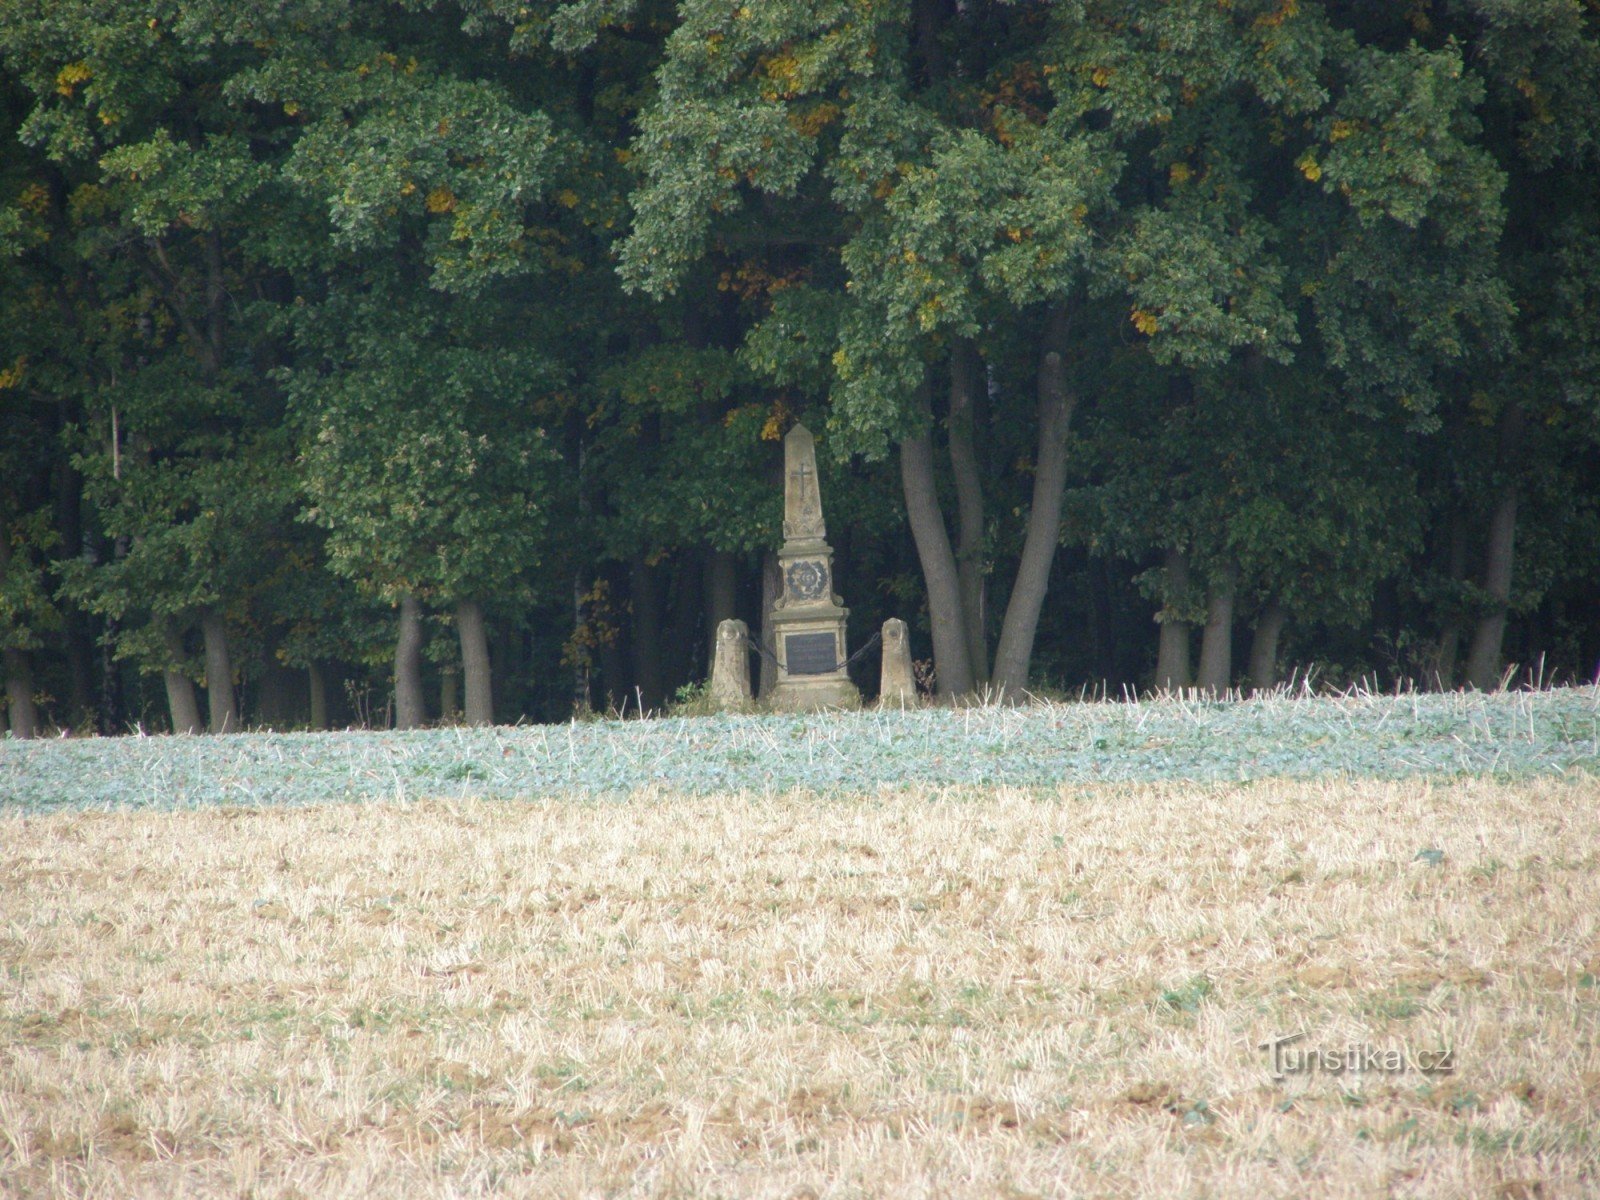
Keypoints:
pixel 802 471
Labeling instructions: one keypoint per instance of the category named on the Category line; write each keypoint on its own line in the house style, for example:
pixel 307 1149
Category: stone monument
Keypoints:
pixel 730 672
pixel 808 620
pixel 897 687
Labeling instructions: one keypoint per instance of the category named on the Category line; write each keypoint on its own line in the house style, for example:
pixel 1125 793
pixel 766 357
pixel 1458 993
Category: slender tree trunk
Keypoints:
pixel 1172 656
pixel 683 626
pixel 449 694
pixel 5 723
pixel 582 693
pixel 966 375
pixel 952 667
pixel 926 17
pixel 476 675
pixel 1444 663
pixel 318 686
pixel 1264 647
pixel 1216 646
pixel 771 588
pixel 109 706
pixel 1021 625
pixel 68 485
pixel 614 655
pixel 219 672
pixel 277 703
pixel 80 667
pixel 18 670
pixel 722 596
pixel 1484 659
pixel 644 585
pixel 19 694
pixel 181 701
pixel 410 710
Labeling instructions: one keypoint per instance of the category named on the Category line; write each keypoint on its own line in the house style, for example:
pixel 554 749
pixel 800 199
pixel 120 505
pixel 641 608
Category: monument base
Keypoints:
pixel 812 695
pixel 811 653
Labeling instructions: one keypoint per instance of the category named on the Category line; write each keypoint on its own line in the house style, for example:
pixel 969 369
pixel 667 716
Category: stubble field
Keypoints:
pixel 952 991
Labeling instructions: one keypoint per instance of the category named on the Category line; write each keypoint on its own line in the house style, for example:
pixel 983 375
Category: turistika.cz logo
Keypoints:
pixel 1290 1059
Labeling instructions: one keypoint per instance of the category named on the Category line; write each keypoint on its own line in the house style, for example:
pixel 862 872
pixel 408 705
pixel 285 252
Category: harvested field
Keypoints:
pixel 958 992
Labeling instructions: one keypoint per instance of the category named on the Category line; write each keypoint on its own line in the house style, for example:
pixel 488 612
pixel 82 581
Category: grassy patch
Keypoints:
pixel 1506 736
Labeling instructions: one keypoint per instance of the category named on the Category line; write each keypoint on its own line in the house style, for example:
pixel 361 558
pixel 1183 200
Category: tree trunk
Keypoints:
pixel 410 710
pixel 1444 662
pixel 1216 646
pixel 109 707
pixel 219 672
pixel 966 374
pixel 449 694
pixel 1264 647
pixel 683 626
pixel 277 703
pixel 771 588
pixel 952 668
pixel 644 587
pixel 68 486
pixel 19 694
pixel 582 692
pixel 1172 657
pixel 1021 625
pixel 1483 661
pixel 476 675
pixel 181 701
pixel 318 685
pixel 18 670
pixel 722 596
pixel 926 19
pixel 614 665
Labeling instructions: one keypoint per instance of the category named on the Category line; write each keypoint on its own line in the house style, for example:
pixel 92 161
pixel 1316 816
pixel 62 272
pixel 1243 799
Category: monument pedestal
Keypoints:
pixel 808 620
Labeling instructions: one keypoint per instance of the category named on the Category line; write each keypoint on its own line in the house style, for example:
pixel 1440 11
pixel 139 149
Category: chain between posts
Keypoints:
pixel 772 658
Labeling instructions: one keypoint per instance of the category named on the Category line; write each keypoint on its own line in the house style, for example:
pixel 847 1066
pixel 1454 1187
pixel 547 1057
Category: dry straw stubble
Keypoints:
pixel 968 993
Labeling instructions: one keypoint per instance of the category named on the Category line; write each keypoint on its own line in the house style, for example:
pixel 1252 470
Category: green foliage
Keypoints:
pixel 308 306
pixel 28 612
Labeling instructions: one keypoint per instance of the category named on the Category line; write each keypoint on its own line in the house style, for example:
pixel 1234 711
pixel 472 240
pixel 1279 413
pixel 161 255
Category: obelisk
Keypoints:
pixel 808 619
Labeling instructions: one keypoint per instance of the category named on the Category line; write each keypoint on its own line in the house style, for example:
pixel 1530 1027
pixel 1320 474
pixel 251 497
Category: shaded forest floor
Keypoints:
pixel 871 988
pixel 1507 736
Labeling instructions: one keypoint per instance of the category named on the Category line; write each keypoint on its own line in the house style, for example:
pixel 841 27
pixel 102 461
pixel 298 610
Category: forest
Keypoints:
pixel 392 362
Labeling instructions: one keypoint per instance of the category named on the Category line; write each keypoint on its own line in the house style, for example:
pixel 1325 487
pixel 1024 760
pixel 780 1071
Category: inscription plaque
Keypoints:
pixel 810 653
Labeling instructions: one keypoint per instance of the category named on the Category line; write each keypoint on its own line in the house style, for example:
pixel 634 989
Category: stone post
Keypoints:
pixel 898 686
pixel 730 671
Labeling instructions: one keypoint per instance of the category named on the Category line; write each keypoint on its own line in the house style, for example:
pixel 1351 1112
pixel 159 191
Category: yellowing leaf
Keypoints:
pixel 567 198
pixel 1101 76
pixel 70 76
pixel 1179 173
pixel 441 200
pixel 1309 167
pixel 1144 322
pixel 772 429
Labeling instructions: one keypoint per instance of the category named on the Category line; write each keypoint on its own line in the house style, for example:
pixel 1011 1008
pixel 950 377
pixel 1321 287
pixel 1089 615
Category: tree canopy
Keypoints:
pixel 374 361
